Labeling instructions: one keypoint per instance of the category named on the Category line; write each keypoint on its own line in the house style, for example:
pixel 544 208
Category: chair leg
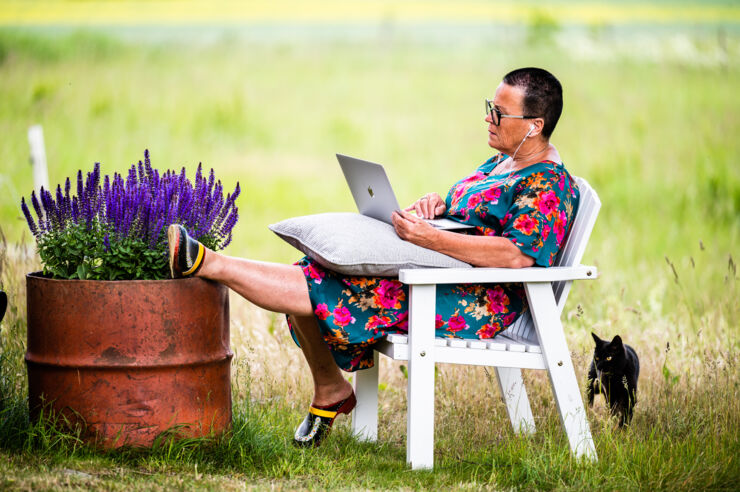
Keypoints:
pixel 515 396
pixel 420 420
pixel 546 318
pixel 365 414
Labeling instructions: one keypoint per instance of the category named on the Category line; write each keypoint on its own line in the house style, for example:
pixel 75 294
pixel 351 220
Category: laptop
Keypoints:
pixel 373 194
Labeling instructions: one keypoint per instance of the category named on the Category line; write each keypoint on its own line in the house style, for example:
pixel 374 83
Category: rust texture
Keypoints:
pixel 130 359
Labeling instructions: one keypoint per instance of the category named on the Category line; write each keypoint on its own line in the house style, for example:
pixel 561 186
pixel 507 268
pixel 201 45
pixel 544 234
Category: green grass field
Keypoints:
pixel 651 125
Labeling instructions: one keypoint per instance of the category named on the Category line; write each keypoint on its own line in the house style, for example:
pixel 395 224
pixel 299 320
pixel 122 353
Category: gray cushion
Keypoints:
pixel 353 244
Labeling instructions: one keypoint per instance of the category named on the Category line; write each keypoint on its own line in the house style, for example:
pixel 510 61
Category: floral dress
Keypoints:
pixel 532 207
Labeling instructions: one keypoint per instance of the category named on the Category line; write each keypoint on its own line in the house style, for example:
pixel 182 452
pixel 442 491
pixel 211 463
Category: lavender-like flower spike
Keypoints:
pixel 60 206
pixel 37 209
pixel 75 210
pixel 67 199
pixel 230 223
pixel 80 188
pixel 47 203
pixel 142 176
pixel 95 181
pixel 29 219
pixel 137 205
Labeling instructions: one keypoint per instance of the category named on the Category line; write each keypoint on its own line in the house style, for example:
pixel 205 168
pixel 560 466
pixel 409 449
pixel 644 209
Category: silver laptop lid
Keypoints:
pixel 370 187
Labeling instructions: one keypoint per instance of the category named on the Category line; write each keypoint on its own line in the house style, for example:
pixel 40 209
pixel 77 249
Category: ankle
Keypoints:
pixel 210 267
pixel 328 394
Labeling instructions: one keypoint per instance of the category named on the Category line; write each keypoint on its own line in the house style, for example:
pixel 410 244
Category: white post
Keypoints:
pixel 515 396
pixel 365 414
pixel 420 419
pixel 546 317
pixel 38 158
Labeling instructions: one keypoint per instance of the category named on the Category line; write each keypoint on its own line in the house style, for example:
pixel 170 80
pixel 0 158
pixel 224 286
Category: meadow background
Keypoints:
pixel 267 92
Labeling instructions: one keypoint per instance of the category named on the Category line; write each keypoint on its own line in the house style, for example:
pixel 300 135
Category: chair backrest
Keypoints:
pixel 570 254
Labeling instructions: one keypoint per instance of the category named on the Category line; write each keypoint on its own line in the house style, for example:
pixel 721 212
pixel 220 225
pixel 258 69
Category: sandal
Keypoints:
pixel 317 424
pixel 186 254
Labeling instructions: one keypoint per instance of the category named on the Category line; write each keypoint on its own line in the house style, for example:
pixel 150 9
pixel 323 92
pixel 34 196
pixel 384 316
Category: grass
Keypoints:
pixel 653 135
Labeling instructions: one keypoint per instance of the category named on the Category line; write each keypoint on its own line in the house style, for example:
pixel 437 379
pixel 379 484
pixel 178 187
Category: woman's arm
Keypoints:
pixel 482 251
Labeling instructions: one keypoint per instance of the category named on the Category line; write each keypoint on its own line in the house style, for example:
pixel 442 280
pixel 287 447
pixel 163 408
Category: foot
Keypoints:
pixel 317 424
pixel 328 394
pixel 186 254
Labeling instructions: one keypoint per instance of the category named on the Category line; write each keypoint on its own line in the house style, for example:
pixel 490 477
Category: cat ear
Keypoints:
pixel 596 338
pixel 616 341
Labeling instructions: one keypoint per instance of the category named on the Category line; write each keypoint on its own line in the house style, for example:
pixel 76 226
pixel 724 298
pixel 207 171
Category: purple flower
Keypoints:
pixel 29 219
pixel 138 206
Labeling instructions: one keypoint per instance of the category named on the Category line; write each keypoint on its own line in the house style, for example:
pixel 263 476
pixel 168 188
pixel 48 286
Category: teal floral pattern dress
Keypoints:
pixel 532 207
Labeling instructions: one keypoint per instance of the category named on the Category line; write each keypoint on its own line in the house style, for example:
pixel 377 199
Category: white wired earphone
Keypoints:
pixel 531 129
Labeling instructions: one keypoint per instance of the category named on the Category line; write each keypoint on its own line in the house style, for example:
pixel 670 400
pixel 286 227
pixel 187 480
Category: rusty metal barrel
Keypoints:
pixel 130 359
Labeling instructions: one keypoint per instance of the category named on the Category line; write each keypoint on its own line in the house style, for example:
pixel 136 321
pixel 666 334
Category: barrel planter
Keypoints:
pixel 130 359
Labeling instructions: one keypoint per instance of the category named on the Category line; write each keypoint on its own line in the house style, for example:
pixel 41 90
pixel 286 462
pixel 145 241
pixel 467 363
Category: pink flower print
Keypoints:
pixel 506 219
pixel 525 224
pixel 492 195
pixel 342 316
pixel 561 182
pixel 355 362
pixel 488 330
pixel 403 321
pixel 497 300
pixel 509 319
pixel 456 323
pixel 314 273
pixel 375 321
pixel 438 322
pixel 559 227
pixel 322 311
pixel 474 200
pixel 547 202
pixel 474 177
pixel 389 294
pixel 545 232
pixel 458 193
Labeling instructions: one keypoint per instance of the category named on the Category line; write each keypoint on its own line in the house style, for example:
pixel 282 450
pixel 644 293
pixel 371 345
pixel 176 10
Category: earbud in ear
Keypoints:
pixel 531 127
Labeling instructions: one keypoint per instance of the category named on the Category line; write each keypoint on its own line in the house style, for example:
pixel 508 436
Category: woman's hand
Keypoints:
pixel 413 229
pixel 429 206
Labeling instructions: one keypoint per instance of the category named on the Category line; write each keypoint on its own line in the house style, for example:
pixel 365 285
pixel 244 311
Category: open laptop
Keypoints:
pixel 373 194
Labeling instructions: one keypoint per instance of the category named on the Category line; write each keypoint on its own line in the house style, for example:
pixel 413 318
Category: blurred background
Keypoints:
pixel 266 92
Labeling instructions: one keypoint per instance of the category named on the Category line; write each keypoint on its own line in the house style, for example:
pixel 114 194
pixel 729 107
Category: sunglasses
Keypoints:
pixel 496 115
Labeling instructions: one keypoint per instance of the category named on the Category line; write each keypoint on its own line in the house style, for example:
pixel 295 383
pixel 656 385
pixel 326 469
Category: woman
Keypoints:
pixel 521 202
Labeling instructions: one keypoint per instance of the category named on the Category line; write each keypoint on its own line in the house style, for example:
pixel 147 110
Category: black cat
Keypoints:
pixel 614 372
pixel 3 304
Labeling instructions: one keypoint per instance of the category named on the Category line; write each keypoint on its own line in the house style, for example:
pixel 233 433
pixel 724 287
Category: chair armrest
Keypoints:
pixel 495 275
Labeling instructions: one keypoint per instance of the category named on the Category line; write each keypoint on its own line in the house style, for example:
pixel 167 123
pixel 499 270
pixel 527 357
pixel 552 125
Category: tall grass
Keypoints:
pixel 654 139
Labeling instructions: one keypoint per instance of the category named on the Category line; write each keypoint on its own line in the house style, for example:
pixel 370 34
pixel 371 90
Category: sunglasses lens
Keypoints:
pixel 490 110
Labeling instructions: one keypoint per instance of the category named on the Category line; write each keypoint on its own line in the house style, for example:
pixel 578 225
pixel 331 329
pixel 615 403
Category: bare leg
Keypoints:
pixel 272 286
pixel 329 384
pixel 282 289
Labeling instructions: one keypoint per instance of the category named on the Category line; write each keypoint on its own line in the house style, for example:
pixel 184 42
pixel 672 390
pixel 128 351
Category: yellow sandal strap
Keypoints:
pixel 322 413
pixel 198 260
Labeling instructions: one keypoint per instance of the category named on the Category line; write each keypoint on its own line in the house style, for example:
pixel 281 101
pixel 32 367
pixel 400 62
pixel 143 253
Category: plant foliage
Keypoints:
pixel 117 230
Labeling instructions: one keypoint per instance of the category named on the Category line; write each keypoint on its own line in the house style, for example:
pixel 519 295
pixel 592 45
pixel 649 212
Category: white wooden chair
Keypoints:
pixel 535 341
